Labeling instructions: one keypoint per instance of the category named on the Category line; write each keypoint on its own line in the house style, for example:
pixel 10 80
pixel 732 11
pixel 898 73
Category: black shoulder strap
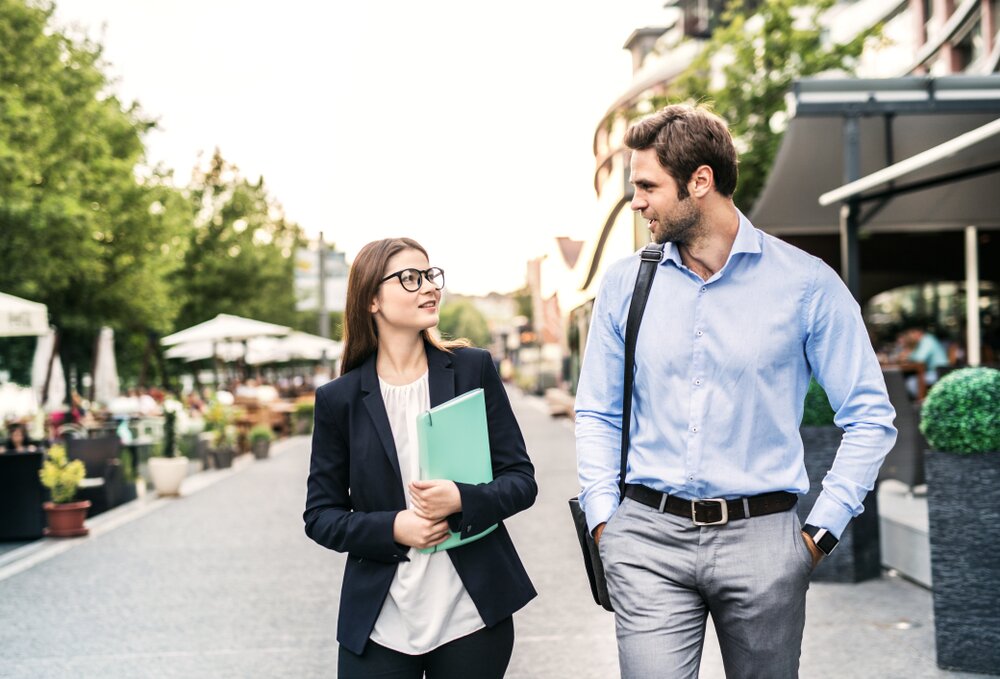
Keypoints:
pixel 649 259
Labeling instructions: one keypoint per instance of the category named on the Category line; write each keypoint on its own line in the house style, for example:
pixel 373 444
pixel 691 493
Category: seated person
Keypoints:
pixel 17 440
pixel 927 349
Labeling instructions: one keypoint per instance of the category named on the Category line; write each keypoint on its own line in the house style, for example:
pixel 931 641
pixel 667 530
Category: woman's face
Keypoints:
pixel 396 308
pixel 17 437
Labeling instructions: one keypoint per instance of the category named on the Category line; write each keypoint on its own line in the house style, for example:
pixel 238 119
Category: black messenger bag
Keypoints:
pixel 650 258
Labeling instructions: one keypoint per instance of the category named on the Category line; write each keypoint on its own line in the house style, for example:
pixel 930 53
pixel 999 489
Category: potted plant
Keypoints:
pixel 62 477
pixel 168 469
pixel 303 418
pixel 260 441
pixel 857 557
pixel 219 421
pixel 961 420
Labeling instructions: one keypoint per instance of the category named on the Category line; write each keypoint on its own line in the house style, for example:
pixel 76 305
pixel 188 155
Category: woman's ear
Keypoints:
pixel 373 308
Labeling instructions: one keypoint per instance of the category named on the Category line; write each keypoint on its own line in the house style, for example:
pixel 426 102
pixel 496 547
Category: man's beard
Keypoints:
pixel 683 227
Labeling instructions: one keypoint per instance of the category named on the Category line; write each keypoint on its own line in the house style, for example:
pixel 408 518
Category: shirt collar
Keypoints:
pixel 747 240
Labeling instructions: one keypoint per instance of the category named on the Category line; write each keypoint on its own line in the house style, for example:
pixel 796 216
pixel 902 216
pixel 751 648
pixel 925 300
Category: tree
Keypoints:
pixel 463 319
pixel 240 258
pixel 81 233
pixel 748 66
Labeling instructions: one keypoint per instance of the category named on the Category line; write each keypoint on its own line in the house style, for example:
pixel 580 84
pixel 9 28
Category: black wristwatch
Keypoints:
pixel 823 538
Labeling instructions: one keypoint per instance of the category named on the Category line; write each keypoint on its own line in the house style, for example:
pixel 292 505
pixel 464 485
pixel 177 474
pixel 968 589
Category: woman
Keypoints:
pixel 18 441
pixel 403 612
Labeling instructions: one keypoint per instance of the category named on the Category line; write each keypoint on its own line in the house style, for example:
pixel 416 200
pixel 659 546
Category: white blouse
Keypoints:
pixel 427 605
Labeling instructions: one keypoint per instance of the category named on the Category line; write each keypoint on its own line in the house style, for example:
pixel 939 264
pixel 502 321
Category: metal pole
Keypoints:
pixel 972 330
pixel 324 314
pixel 850 266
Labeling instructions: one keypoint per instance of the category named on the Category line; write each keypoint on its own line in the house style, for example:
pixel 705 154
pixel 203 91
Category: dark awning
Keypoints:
pixel 895 119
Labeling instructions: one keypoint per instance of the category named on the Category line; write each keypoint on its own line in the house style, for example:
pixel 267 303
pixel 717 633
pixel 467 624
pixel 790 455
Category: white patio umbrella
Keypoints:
pixel 295 346
pixel 106 387
pixel 225 328
pixel 44 353
pixel 198 351
pixel 19 317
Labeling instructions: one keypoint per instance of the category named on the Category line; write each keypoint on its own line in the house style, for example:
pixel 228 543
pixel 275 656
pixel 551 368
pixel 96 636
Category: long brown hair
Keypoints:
pixel 360 332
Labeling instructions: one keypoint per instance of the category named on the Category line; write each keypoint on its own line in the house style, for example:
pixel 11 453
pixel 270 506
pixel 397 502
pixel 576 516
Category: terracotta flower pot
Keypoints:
pixel 66 519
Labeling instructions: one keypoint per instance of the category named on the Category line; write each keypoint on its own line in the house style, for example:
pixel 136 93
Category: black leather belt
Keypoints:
pixel 712 511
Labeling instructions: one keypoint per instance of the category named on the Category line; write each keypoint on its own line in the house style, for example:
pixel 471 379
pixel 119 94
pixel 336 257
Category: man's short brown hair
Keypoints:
pixel 686 137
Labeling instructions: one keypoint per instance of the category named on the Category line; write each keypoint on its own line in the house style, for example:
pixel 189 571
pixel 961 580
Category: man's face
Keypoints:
pixel 658 199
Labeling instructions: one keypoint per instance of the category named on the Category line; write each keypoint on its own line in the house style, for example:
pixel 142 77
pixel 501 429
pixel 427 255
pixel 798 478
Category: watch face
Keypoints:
pixel 823 539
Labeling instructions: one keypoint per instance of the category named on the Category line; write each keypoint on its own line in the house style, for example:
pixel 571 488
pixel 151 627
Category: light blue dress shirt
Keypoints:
pixel 721 371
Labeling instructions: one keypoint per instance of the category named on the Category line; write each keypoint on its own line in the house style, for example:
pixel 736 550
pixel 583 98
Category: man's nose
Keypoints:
pixel 638 203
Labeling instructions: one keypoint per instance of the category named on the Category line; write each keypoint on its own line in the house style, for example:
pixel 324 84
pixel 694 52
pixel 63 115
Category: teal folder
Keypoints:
pixel 454 444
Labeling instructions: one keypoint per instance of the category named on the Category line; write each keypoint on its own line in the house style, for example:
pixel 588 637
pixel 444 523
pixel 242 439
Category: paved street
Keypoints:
pixel 224 583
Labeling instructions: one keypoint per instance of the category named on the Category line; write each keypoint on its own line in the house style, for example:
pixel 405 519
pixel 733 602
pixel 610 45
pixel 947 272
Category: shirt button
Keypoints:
pixel 699 333
pixel 694 430
pixel 697 383
pixel 704 289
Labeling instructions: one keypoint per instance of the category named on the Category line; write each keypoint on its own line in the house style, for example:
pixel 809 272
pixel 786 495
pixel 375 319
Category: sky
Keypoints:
pixel 465 125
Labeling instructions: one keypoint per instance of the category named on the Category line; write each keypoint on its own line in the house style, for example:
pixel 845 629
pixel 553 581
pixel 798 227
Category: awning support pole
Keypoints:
pixel 972 330
pixel 850 266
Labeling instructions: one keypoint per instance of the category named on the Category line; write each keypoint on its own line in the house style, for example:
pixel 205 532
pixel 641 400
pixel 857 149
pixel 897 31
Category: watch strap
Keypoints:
pixel 824 539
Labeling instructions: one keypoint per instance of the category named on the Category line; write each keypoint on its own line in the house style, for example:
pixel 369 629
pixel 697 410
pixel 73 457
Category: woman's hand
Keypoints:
pixel 435 500
pixel 415 531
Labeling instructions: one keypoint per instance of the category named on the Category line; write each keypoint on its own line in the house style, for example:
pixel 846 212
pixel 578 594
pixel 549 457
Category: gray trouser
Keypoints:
pixel 665 575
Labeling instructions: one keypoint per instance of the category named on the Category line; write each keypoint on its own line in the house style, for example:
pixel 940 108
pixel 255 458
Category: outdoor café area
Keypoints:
pixel 242 384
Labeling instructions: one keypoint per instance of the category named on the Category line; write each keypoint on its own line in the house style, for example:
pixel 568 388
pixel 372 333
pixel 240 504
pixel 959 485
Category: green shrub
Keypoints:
pixel 816 411
pixel 261 432
pixel 303 416
pixel 60 475
pixel 961 414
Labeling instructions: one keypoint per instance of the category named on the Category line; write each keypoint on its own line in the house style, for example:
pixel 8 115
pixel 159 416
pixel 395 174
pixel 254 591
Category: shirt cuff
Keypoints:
pixel 599 509
pixel 829 514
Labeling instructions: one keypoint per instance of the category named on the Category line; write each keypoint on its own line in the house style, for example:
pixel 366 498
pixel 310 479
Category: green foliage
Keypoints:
pixel 303 417
pixel 261 432
pixel 525 306
pixel 219 419
pixel 308 321
pixel 758 59
pixel 240 255
pixel 463 319
pixel 817 411
pixel 961 413
pixel 80 232
pixel 60 475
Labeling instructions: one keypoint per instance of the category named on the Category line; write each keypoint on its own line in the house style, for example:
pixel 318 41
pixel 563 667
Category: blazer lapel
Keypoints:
pixel 440 376
pixel 376 409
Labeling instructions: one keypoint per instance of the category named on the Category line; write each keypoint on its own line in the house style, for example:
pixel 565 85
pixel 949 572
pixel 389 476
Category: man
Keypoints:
pixel 927 349
pixel 736 323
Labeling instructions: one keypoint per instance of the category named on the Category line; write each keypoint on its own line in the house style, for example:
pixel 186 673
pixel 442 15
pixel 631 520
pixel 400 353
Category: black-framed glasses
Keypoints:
pixel 412 279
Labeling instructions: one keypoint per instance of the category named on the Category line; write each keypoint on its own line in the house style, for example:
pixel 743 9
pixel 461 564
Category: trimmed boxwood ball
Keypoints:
pixel 816 411
pixel 961 414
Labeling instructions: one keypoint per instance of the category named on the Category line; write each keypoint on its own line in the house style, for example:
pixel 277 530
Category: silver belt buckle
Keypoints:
pixel 723 506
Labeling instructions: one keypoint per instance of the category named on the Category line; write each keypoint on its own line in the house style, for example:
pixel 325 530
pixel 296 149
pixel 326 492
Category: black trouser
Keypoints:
pixel 488 651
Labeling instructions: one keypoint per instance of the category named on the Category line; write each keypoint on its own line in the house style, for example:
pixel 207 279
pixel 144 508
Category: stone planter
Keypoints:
pixel 222 458
pixel 963 502
pixel 857 557
pixel 167 474
pixel 66 519
pixel 261 448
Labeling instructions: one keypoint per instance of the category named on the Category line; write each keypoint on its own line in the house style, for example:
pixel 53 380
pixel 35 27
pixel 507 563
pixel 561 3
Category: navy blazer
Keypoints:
pixel 355 491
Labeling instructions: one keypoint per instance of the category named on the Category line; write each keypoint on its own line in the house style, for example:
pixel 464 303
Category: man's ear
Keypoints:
pixel 702 181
